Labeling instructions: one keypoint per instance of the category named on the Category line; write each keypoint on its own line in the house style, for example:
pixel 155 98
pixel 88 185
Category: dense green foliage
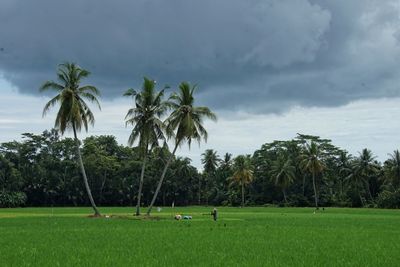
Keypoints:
pixel 44 167
pixel 12 199
pixel 241 237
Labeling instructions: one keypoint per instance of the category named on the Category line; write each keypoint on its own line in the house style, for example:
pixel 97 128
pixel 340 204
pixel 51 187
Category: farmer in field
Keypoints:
pixel 214 213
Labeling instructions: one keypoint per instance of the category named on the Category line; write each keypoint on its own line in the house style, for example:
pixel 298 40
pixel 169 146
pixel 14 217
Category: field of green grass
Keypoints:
pixel 249 236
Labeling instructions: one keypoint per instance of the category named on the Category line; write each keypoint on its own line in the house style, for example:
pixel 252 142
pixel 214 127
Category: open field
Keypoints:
pixel 250 236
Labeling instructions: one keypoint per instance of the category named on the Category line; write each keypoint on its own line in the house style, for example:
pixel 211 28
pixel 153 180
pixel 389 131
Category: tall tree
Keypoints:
pixel 364 168
pixel 210 162
pixel 283 174
pixel 74 113
pixel 145 117
pixel 186 124
pixel 311 162
pixel 392 169
pixel 243 173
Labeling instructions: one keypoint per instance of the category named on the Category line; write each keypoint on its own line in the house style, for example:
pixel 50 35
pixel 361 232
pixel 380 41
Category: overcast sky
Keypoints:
pixel 268 68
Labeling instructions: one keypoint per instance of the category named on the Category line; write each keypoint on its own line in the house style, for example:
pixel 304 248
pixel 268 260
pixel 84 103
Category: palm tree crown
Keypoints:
pixel 146 115
pixel 74 111
pixel 393 168
pixel 210 161
pixel 187 120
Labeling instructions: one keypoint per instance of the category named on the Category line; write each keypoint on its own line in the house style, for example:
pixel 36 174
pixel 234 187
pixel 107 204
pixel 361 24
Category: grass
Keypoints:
pixel 249 236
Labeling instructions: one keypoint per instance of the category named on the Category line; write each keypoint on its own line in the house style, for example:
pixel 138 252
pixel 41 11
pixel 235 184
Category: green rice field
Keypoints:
pixel 241 237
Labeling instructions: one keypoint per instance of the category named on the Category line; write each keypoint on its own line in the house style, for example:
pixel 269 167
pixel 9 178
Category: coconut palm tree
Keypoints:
pixel 185 123
pixel 243 173
pixel 311 162
pixel 363 168
pixel 344 168
pixel 210 162
pixel 392 169
pixel 283 174
pixel 74 113
pixel 145 117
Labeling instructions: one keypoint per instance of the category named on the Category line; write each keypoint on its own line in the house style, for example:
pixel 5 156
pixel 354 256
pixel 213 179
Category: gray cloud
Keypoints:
pixel 259 55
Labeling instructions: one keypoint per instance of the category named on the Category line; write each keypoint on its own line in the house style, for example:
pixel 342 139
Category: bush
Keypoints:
pixel 389 200
pixel 12 199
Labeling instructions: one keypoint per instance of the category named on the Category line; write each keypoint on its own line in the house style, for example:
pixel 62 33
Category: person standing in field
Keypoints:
pixel 214 213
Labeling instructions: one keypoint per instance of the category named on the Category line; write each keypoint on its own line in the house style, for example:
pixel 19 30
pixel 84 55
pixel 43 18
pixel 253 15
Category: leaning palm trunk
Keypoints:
pixel 315 191
pixel 140 186
pixel 161 180
pixel 85 181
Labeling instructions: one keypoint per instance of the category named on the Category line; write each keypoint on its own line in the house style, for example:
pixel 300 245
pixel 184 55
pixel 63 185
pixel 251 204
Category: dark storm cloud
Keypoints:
pixel 259 55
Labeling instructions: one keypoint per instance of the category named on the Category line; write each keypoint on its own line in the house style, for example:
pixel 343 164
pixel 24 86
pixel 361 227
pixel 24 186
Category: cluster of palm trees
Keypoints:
pixel 148 117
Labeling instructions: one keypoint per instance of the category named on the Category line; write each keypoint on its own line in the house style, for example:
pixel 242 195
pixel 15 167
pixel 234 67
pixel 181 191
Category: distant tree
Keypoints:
pixel 210 162
pixel 186 124
pixel 283 174
pixel 243 173
pixel 311 162
pixel 74 113
pixel 392 169
pixel 148 128
pixel 363 168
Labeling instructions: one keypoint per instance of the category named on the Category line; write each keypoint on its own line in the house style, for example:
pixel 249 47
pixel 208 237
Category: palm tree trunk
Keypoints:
pixel 85 181
pixel 199 190
pixel 162 179
pixel 284 195
pixel 242 194
pixel 315 190
pixel 141 184
pixel 361 199
pixel 369 191
pixel 102 187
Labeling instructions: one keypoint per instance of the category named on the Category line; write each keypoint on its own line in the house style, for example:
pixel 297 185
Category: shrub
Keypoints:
pixel 12 199
pixel 389 200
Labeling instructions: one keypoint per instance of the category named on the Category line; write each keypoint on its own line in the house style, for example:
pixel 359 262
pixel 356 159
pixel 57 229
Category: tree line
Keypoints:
pixel 43 170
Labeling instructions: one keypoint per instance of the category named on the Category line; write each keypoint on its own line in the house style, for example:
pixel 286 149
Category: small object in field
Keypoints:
pixel 158 209
pixel 178 217
pixel 187 217
pixel 214 213
pixel 107 216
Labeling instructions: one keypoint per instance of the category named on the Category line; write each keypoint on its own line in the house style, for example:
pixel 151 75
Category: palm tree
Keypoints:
pixel 283 174
pixel 363 168
pixel 74 111
pixel 147 125
pixel 186 122
pixel 210 160
pixel 311 161
pixel 243 173
pixel 210 163
pixel 392 168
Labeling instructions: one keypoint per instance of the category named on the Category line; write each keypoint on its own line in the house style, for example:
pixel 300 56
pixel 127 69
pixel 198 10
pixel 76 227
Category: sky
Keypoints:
pixel 268 68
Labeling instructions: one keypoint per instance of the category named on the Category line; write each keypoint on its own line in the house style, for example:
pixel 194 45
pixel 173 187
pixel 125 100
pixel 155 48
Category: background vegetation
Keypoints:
pixel 42 170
